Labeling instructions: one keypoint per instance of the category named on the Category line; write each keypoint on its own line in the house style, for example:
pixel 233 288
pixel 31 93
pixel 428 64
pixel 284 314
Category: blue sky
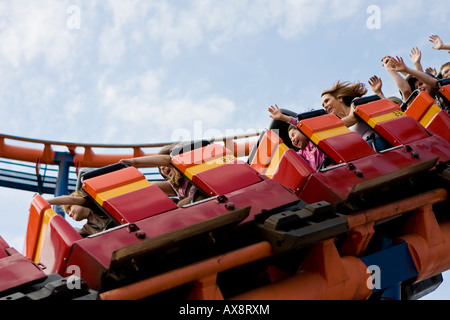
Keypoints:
pixel 141 71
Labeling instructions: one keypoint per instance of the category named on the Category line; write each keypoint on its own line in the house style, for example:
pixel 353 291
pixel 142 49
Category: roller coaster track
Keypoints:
pixel 51 167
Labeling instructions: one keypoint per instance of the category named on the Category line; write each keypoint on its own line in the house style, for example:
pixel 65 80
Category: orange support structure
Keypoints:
pixel 46 155
pixel 361 224
pixel 428 241
pixel 203 272
pixel 324 275
pixel 206 289
pixel 396 208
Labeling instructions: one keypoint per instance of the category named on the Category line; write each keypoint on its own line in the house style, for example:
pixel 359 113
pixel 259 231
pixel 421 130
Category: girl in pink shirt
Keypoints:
pixel 307 149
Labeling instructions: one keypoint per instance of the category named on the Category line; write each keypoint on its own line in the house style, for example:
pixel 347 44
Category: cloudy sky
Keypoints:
pixel 142 71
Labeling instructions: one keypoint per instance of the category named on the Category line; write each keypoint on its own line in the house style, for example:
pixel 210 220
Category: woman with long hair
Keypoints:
pixel 338 101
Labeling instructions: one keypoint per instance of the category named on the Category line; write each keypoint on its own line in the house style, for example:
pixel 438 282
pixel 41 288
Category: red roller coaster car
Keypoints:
pixel 366 225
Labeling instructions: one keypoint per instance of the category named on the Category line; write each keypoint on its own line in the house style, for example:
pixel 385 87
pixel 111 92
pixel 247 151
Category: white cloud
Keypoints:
pixel 104 70
pixel 401 12
pixel 135 70
pixel 11 49
pixel 112 46
pixel 35 30
pixel 218 23
pixel 173 28
pixel 141 105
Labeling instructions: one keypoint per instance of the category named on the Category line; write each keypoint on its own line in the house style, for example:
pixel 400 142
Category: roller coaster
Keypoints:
pixel 365 225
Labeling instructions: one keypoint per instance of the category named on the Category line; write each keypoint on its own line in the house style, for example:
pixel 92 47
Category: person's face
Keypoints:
pixel 423 87
pixel 335 106
pixel 79 213
pixel 298 139
pixel 168 172
pixel 446 72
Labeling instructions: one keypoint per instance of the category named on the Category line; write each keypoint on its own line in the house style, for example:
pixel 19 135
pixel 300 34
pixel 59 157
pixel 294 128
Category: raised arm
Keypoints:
pixel 158 160
pixel 401 83
pixel 276 114
pixel 400 66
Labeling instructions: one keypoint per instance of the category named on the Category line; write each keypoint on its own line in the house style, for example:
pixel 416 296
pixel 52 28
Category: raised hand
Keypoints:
pixel 431 71
pixel 387 62
pixel 416 55
pixel 436 40
pixel 275 113
pixel 398 64
pixel 376 84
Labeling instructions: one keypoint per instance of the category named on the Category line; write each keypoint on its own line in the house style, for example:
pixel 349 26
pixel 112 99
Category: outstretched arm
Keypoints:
pixel 158 160
pixel 67 200
pixel 276 114
pixel 400 66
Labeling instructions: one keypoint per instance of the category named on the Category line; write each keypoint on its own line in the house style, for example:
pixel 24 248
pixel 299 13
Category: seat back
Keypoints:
pixel 440 125
pixel 111 184
pixel 424 109
pixel 330 134
pixel 36 223
pixel 387 119
pixel 16 270
pixel 3 247
pixel 126 195
pixel 270 150
pixel 215 170
pixel 138 204
pixel 292 171
pixel 195 158
pixel 444 90
pixel 430 116
pixel 49 214
pixel 58 241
